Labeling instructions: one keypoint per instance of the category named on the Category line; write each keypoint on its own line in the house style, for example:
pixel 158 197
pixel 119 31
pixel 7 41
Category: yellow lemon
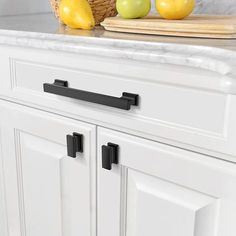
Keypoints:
pixel 77 14
pixel 175 9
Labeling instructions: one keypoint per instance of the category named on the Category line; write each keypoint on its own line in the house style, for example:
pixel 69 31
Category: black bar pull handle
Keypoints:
pixel 74 144
pixel 60 87
pixel 109 155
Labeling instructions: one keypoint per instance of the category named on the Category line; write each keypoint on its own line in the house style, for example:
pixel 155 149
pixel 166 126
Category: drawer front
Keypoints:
pixel 164 111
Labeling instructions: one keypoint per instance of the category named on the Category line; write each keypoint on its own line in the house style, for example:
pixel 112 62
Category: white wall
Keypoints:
pixel 12 7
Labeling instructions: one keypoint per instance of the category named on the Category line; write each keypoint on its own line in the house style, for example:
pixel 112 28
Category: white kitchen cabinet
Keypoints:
pixel 156 189
pixel 47 193
pixel 153 189
pixel 161 112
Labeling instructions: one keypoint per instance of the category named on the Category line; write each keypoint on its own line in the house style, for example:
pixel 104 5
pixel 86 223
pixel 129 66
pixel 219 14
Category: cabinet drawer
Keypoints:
pixel 164 111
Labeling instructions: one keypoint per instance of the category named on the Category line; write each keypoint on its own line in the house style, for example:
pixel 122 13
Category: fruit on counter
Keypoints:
pixel 76 14
pixel 132 9
pixel 175 9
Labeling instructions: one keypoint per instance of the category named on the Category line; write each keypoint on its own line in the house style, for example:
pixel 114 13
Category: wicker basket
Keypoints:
pixel 101 9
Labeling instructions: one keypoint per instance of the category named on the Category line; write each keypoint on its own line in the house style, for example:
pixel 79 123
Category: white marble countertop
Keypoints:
pixel 44 32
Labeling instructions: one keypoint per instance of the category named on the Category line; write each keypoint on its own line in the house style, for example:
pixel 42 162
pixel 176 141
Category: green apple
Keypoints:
pixel 131 9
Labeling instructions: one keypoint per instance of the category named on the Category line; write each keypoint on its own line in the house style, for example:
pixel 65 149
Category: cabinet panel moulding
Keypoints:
pixel 20 181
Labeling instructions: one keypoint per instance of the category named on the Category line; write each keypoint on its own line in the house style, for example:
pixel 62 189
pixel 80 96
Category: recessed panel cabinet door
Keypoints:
pixel 47 193
pixel 156 190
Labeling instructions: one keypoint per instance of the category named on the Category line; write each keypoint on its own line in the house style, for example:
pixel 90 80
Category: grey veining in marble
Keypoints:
pixel 224 7
pixel 43 32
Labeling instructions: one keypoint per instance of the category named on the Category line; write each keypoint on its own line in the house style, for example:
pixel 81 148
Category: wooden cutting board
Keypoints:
pixel 202 26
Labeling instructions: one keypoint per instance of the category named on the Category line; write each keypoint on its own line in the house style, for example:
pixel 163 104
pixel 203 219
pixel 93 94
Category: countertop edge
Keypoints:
pixel 219 60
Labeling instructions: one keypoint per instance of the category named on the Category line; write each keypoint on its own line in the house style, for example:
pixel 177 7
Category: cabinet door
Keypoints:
pixel 47 193
pixel 156 190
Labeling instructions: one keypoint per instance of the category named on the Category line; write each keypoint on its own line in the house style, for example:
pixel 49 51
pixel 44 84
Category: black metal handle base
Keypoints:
pixel 109 155
pixel 74 144
pixel 60 87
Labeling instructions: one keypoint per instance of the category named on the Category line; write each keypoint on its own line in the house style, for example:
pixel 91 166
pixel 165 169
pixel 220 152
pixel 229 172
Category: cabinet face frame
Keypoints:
pixel 207 184
pixel 34 145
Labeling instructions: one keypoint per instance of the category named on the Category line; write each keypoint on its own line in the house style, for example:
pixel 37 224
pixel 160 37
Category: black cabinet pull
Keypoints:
pixel 109 155
pixel 60 87
pixel 74 144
